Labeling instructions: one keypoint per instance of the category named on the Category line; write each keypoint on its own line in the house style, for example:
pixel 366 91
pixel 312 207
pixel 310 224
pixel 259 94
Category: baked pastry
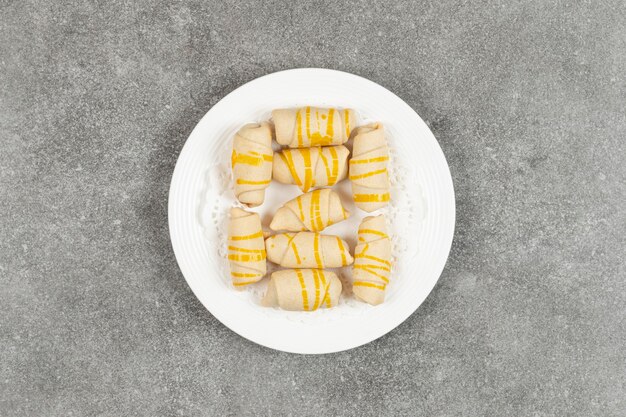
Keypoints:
pixel 312 126
pixel 251 162
pixel 311 167
pixel 368 168
pixel 246 248
pixel 302 289
pixel 307 250
pixel 372 261
pixel 312 211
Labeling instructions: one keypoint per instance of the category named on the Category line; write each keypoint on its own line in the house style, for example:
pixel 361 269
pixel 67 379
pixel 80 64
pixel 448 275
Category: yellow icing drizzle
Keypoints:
pixel 249 182
pixel 299 200
pixel 316 217
pixel 374 258
pixel 317 289
pixel 368 284
pixel 329 125
pixel 288 160
pixel 373 266
pixel 368 174
pixel 316 250
pixel 240 284
pixel 295 252
pixel 325 161
pixel 266 157
pixel 299 127
pixel 244 250
pixel 365 268
pixel 316 138
pixel 308 175
pixel 308 123
pixel 332 179
pixel 305 297
pixel 341 249
pixel 254 158
pixel 369 161
pixel 247 237
pixel 346 114
pixel 246 258
pixel 326 298
pixel 320 222
pixel 293 247
pixel 371 198
pixel 312 211
pixel 373 232
pixel 244 275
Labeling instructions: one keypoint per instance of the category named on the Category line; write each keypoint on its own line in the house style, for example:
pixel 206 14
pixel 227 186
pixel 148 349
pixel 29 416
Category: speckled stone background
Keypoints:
pixel 527 99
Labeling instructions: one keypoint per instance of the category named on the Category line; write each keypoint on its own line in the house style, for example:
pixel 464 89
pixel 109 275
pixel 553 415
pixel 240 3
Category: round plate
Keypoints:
pixel 421 213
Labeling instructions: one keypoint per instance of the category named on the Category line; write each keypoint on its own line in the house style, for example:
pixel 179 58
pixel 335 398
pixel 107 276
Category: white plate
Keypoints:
pixel 421 212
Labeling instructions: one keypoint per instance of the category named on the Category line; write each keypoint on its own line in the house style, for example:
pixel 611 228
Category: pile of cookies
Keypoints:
pixel 314 156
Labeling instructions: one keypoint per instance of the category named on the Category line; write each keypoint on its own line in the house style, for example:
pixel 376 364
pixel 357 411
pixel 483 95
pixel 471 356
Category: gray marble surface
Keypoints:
pixel 527 99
